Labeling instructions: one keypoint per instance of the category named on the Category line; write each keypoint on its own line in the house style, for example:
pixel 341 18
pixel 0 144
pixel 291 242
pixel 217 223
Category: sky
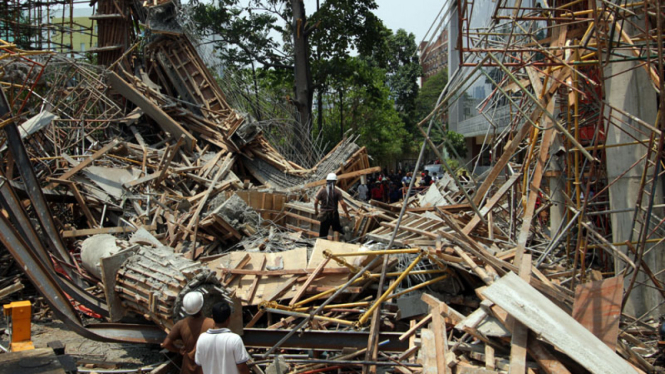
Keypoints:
pixel 415 16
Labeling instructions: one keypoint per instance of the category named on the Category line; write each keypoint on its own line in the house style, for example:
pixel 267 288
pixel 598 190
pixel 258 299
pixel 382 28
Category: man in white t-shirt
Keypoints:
pixel 219 350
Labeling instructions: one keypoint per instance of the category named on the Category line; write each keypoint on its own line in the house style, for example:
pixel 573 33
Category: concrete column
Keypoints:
pixel 632 92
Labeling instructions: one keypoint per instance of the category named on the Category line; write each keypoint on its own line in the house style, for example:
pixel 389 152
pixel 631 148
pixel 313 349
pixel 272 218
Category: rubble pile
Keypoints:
pixel 124 187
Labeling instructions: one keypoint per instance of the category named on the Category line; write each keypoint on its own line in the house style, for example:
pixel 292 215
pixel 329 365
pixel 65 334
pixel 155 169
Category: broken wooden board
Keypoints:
pixel 598 308
pixel 336 247
pixel 541 315
pixel 267 285
pixel 428 352
pixel 167 123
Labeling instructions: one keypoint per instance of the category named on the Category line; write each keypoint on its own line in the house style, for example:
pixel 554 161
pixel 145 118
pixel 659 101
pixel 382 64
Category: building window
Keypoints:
pixel 82 47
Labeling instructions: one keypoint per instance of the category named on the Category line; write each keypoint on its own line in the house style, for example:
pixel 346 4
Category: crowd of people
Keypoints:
pixel 391 187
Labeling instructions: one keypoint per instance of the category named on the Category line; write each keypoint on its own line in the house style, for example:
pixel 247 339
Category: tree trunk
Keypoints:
pixel 341 114
pixel 303 77
pixel 257 105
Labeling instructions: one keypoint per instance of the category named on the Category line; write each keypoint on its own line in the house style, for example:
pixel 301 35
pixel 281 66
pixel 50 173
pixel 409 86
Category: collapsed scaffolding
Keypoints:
pixel 150 145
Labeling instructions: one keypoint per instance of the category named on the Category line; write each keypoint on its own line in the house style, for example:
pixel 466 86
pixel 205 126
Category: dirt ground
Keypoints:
pixel 127 355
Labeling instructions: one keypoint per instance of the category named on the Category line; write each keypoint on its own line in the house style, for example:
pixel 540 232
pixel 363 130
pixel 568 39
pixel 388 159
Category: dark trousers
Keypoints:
pixel 328 219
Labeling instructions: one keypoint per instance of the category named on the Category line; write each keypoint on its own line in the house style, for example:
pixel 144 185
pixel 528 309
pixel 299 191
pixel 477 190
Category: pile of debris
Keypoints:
pixel 124 188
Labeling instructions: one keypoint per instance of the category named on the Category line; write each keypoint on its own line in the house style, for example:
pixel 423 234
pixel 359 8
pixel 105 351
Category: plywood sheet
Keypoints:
pixel 335 247
pixel 293 259
pixel 547 320
pixel 598 308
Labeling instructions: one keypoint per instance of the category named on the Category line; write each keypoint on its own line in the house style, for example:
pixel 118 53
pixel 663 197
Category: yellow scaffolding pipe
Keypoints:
pixel 363 319
pixel 418 286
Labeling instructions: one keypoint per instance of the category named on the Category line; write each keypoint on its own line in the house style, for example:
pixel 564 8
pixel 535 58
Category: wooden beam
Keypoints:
pixel 69 173
pixel 241 264
pixel 255 283
pixel 165 121
pixel 518 342
pixel 546 319
pixel 104 230
pixel 309 281
pixel 353 174
pixel 489 205
pixel 440 335
pixel 81 202
pixel 278 273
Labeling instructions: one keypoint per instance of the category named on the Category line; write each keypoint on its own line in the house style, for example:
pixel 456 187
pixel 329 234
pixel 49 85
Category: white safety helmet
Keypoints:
pixel 331 177
pixel 192 302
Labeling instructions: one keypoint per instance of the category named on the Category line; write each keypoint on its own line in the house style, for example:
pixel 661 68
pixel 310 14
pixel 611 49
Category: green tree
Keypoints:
pixel 403 73
pixel 367 108
pixel 247 35
pixel 17 25
pixel 453 142
pixel 429 94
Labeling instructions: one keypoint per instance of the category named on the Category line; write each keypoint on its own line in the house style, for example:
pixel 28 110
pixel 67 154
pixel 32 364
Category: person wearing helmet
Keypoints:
pixel 329 197
pixel 184 334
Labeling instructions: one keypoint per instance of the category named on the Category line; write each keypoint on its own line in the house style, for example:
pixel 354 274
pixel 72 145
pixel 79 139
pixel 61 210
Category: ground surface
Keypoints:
pixel 129 355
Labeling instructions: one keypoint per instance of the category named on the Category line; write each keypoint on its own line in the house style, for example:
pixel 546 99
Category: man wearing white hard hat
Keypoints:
pixel 329 197
pixel 187 331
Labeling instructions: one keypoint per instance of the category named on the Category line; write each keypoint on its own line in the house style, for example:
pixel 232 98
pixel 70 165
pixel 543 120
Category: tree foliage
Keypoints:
pixel 453 142
pixel 366 108
pixel 430 93
pixel 363 74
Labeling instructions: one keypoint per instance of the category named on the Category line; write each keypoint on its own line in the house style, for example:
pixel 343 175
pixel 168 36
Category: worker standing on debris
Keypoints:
pixel 363 191
pixel 329 196
pixel 220 351
pixel 188 330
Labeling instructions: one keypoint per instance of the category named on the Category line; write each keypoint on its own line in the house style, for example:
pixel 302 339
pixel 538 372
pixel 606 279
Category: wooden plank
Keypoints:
pixel 428 351
pixel 165 121
pixel 279 273
pixel 463 369
pixel 223 169
pixel 545 359
pixel 172 152
pixel 412 330
pixel 489 205
pixel 546 319
pixel 518 342
pixel 81 165
pixel 92 223
pixel 255 283
pixel 440 335
pixel 534 186
pixel 340 177
pixel 489 357
pixel 241 264
pixel 104 230
pixel 11 289
pixel 598 308
pixel 284 288
pixel 309 281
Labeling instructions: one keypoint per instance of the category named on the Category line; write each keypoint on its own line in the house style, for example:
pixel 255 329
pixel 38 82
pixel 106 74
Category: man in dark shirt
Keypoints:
pixel 328 197
pixel 427 179
pixel 188 330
